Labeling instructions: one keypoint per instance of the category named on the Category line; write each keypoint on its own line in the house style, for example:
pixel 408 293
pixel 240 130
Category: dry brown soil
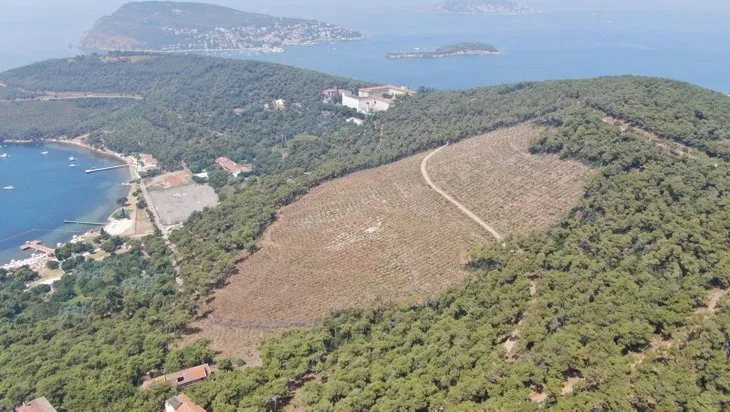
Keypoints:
pixel 383 234
pixel 496 178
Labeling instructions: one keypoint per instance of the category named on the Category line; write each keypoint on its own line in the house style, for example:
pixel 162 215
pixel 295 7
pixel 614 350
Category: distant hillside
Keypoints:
pixel 187 99
pixel 171 26
pixel 494 7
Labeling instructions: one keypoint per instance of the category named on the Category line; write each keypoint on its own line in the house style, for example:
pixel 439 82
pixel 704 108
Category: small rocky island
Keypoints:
pixel 489 7
pixel 461 49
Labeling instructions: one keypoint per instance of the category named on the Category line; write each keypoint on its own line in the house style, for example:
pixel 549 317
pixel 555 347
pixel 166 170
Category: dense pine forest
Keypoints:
pixel 194 109
pixel 616 311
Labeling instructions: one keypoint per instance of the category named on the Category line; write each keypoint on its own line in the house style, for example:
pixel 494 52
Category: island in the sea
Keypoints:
pixel 179 27
pixel 461 49
pixel 491 7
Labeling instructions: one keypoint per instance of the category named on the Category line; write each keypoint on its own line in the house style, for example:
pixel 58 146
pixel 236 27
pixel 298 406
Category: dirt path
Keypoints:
pixel 446 196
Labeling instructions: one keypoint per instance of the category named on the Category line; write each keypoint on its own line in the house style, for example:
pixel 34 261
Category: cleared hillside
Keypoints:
pixel 384 235
pixel 497 178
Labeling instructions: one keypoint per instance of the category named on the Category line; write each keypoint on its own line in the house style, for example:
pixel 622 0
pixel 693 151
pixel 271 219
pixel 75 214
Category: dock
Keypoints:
pixel 78 222
pixel 38 247
pixel 103 169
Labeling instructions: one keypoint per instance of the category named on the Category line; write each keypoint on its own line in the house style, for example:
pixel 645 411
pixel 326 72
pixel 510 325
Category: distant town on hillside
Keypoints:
pixel 170 26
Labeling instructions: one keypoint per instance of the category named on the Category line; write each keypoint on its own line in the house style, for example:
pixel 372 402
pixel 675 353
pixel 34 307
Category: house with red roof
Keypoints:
pixel 36 405
pixel 181 378
pixel 182 403
pixel 232 167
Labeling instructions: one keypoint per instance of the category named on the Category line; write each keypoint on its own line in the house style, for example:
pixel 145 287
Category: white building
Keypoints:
pixel 373 99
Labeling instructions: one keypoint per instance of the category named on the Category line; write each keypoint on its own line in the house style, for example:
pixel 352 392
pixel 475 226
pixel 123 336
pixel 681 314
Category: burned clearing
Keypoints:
pixel 384 235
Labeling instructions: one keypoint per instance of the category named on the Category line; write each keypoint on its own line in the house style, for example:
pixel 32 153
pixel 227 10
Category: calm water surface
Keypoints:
pixel 682 46
pixel 48 191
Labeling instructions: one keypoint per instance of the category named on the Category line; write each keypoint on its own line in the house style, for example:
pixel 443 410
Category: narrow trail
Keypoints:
pixel 446 196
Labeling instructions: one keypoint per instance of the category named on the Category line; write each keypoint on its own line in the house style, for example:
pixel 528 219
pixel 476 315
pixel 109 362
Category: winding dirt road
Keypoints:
pixel 446 196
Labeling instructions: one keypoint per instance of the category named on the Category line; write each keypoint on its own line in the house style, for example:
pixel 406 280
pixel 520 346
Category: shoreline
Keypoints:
pixel 427 55
pixel 127 160
pixel 250 50
pixel 38 261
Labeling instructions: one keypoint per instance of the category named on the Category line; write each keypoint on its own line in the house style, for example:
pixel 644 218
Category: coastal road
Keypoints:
pixel 446 196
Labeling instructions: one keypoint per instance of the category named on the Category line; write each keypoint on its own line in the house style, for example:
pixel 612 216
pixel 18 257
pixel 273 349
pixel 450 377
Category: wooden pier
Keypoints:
pixel 78 222
pixel 103 169
pixel 37 246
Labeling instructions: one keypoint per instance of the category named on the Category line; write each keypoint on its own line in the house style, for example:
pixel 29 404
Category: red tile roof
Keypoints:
pixel 182 403
pixel 183 377
pixel 227 164
pixel 387 87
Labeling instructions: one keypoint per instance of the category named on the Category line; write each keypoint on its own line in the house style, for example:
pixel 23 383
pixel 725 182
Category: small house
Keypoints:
pixel 181 378
pixel 36 405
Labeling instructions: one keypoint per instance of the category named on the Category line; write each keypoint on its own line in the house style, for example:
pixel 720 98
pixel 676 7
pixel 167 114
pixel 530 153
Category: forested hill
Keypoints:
pixel 626 311
pixel 194 109
pixel 173 26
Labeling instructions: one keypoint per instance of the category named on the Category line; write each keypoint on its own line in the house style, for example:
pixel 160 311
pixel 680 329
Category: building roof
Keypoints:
pixel 387 87
pixel 182 403
pixel 37 405
pixel 383 99
pixel 182 377
pixel 227 164
pixel 148 158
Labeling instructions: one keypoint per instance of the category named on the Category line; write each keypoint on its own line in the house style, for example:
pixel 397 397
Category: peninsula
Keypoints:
pixel 490 7
pixel 461 49
pixel 179 27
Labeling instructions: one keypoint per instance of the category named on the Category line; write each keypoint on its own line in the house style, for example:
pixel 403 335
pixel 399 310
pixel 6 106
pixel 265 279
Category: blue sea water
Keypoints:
pixel 685 46
pixel 48 191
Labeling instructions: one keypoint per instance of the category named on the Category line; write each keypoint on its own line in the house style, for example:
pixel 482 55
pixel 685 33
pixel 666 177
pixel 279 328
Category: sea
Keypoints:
pixel 47 191
pixel 688 45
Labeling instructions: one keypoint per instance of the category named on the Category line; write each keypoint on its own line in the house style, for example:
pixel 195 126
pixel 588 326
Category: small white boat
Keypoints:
pixel 44 153
pixel 72 165
pixel 71 159
pixel 4 155
pixel 11 187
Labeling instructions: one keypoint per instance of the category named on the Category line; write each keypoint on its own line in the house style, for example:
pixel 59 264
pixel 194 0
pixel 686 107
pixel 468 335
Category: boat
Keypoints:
pixel 71 159
pixel 72 165
pixel 4 155
pixel 44 153
pixel 11 187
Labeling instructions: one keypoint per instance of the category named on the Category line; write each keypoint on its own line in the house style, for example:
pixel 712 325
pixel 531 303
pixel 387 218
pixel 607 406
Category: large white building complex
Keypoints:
pixel 371 99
